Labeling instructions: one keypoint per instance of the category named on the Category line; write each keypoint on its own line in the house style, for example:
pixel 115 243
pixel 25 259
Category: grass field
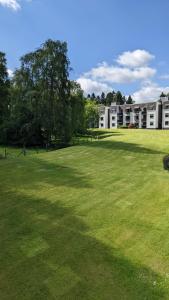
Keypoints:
pixel 87 222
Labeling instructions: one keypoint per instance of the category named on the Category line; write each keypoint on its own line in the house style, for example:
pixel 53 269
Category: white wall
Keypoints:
pixel 104 122
pixel 153 120
pixel 114 121
pixel 132 117
pixel 140 119
pixel 165 119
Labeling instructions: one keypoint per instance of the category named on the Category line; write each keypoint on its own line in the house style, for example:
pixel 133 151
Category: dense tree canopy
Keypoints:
pixel 40 105
pixel 43 101
pixel 4 89
pixel 91 114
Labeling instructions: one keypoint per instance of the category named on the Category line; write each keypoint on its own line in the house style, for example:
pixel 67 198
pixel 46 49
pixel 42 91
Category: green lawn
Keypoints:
pixel 87 222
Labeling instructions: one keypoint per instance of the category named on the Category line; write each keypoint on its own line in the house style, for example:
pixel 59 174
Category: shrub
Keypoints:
pixel 131 125
pixel 166 162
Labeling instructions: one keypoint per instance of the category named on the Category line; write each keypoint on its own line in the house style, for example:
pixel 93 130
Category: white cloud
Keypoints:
pixel 165 77
pixel 10 73
pixel 13 4
pixel 130 67
pixel 149 92
pixel 116 74
pixel 91 86
pixel 137 58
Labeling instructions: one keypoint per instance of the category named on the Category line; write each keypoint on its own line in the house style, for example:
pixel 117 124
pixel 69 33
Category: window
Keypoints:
pixel 113 118
pixel 166 123
pixel 113 124
pixel 151 123
pixel 151 116
pixel 102 124
pixel 102 118
pixel 166 115
pixel 166 106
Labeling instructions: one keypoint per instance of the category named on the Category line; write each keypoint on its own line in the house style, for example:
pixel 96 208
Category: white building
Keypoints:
pixel 104 115
pixel 154 115
pixel 165 113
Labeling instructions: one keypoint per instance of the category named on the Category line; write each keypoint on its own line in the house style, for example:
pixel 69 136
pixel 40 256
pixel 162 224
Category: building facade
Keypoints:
pixel 153 115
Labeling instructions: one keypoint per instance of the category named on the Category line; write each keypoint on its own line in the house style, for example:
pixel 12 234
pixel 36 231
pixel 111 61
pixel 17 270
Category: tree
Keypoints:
pixel 4 89
pixel 103 97
pixel 4 98
pixel 110 97
pixel 93 97
pixel 129 100
pixel 98 99
pixel 162 95
pixel 124 99
pixel 119 98
pixel 91 114
pixel 77 109
pixel 42 94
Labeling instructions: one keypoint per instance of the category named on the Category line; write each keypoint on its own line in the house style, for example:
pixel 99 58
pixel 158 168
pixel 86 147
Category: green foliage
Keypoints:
pixel 119 99
pixel 77 109
pixel 129 100
pixel 110 97
pixel 91 114
pixel 45 106
pixel 4 90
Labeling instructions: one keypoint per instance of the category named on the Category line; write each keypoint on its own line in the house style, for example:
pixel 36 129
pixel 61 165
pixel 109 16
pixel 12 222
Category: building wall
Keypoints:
pixel 113 120
pixel 140 119
pixel 103 120
pixel 165 119
pixel 154 117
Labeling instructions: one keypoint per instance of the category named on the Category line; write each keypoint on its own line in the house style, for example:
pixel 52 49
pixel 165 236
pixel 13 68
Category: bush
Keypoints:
pixel 131 125
pixel 166 162
pixel 123 127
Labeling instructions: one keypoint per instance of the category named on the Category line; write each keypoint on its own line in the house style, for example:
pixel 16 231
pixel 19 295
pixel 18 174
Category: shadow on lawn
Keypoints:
pixel 129 147
pixel 46 172
pixel 47 253
pixel 101 134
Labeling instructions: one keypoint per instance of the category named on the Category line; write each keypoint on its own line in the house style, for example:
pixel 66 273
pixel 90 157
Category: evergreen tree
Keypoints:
pixel 93 97
pixel 124 99
pixel 162 95
pixel 119 98
pixel 103 97
pixel 98 99
pixel 129 100
pixel 110 97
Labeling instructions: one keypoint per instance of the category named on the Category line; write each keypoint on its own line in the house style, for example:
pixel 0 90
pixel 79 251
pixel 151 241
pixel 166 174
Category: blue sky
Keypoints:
pixel 113 44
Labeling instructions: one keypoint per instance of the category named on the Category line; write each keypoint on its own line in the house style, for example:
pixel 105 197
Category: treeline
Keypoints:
pixel 40 105
pixel 107 99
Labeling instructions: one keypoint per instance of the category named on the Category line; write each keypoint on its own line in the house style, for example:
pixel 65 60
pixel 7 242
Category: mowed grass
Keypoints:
pixel 87 222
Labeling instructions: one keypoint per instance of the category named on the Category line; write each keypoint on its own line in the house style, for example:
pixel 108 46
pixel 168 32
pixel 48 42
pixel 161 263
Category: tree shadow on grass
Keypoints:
pixel 48 172
pixel 47 253
pixel 124 146
pixel 102 134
